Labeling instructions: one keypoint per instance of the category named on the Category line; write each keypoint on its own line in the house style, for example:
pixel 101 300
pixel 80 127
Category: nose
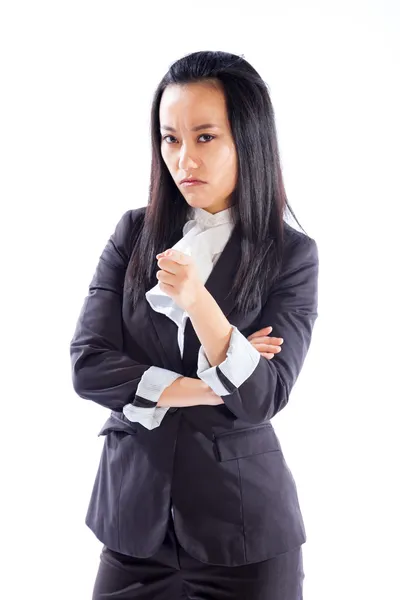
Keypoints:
pixel 187 159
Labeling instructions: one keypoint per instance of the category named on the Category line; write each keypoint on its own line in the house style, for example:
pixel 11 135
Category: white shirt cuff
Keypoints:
pixel 148 417
pixel 144 409
pixel 241 360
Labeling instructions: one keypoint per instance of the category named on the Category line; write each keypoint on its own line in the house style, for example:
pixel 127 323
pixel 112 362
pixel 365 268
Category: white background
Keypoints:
pixel 77 80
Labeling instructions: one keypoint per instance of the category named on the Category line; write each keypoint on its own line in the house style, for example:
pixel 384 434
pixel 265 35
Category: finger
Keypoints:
pixel 168 289
pixel 177 256
pixel 168 265
pixel 268 356
pixel 264 331
pixel 267 348
pixel 165 277
pixel 268 340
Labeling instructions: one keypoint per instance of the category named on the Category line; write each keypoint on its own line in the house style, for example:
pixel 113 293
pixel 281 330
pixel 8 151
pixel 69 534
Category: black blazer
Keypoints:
pixel 222 467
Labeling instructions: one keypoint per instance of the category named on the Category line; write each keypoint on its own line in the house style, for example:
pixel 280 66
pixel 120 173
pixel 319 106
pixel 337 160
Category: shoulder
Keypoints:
pixel 297 278
pixel 300 258
pixel 131 217
pixel 127 228
pixel 298 244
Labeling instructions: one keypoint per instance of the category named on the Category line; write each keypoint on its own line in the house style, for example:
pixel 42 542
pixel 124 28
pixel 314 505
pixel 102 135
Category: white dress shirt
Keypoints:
pixel 204 237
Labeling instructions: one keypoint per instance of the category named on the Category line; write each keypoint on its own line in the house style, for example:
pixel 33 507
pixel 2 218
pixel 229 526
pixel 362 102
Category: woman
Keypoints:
pixel 193 497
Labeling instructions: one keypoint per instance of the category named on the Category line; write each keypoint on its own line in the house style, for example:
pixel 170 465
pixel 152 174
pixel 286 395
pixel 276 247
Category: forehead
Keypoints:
pixel 193 102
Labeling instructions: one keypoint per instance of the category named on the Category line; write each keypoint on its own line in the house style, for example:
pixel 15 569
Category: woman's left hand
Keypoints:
pixel 178 278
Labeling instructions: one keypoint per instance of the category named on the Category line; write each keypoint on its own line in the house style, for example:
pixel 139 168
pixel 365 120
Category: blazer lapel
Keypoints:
pixel 166 332
pixel 219 284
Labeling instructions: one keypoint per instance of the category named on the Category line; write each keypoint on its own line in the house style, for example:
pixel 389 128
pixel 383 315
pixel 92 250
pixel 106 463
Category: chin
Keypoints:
pixel 197 202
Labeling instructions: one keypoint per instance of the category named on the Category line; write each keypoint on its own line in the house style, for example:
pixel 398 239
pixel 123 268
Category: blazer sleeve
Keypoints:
pixel 100 370
pixel 253 387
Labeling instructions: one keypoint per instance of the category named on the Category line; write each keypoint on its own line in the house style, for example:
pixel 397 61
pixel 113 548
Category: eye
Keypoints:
pixel 203 135
pixel 207 135
pixel 168 136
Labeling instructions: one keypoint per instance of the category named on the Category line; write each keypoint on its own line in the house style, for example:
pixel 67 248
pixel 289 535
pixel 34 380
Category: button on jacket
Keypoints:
pixel 221 468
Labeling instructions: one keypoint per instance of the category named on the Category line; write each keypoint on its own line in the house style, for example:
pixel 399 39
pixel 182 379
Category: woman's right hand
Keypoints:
pixel 267 346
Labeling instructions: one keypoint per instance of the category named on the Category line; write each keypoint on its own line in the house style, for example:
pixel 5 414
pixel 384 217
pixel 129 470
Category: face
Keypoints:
pixel 197 143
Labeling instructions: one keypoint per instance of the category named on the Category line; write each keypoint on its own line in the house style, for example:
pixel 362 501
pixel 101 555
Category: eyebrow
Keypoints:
pixel 197 128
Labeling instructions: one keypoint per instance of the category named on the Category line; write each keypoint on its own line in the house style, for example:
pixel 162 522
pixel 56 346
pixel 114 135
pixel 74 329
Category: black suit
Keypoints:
pixel 222 468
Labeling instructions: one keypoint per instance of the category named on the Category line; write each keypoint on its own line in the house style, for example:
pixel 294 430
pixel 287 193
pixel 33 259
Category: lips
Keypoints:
pixel 192 183
pixel 187 181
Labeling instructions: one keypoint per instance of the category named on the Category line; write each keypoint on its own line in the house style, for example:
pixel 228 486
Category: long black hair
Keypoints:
pixel 259 200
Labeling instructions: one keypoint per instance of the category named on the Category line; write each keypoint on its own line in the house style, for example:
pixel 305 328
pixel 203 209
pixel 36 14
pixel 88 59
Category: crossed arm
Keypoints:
pixel 230 368
pixel 187 391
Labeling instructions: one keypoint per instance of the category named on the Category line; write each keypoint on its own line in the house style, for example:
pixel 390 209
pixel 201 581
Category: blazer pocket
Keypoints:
pixel 117 422
pixel 246 442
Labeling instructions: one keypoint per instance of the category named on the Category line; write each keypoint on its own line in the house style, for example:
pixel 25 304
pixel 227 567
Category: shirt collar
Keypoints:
pixel 208 220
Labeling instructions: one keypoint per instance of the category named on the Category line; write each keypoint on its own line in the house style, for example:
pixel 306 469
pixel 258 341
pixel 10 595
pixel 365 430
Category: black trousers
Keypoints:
pixel 172 574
